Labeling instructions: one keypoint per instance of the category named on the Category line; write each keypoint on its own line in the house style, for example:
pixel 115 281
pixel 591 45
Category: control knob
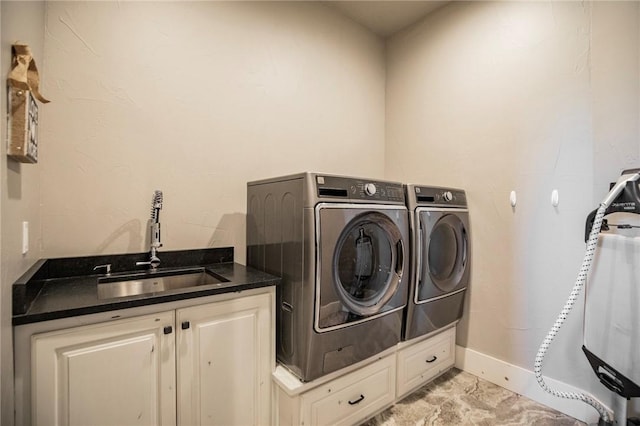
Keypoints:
pixel 370 189
pixel 447 195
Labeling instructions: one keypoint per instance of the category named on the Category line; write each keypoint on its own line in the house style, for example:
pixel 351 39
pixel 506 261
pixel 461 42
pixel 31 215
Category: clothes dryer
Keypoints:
pixel 440 258
pixel 340 245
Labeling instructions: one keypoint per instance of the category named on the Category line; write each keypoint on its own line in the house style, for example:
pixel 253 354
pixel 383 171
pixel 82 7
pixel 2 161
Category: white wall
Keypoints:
pixel 19 191
pixel 615 82
pixel 525 96
pixel 196 99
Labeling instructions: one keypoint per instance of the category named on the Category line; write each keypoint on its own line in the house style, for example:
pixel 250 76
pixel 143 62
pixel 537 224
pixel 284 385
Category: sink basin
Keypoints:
pixel 155 282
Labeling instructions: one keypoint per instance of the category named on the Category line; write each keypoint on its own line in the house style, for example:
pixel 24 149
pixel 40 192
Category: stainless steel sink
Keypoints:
pixel 155 282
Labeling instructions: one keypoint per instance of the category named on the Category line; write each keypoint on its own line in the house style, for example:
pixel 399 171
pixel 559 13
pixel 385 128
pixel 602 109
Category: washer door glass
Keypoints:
pixel 446 248
pixel 367 264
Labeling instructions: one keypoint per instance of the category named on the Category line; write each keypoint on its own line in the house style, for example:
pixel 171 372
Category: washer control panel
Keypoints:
pixel 436 196
pixel 336 187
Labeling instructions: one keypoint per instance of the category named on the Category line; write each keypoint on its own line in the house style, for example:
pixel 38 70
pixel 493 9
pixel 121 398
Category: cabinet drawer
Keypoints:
pixel 419 363
pixel 352 398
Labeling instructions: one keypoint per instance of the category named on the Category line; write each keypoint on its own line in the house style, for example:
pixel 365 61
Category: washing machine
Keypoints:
pixel 340 245
pixel 440 258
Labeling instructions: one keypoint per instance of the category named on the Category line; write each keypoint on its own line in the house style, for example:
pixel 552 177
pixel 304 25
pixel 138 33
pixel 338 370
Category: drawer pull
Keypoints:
pixel 432 359
pixel 357 401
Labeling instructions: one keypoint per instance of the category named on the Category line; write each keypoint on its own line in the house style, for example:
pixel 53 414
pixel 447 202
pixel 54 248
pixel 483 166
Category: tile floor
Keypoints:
pixel 459 398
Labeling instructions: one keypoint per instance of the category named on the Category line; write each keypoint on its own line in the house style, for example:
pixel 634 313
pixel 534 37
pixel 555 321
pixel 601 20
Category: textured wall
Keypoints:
pixel 196 99
pixel 20 190
pixel 615 55
pixel 525 96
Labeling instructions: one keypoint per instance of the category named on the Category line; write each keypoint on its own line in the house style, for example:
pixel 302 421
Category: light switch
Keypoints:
pixel 25 237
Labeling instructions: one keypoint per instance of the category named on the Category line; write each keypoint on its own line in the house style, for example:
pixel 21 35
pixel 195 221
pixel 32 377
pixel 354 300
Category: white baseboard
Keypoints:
pixel 523 382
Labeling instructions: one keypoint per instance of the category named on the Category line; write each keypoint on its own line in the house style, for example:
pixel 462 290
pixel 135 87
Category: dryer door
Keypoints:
pixel 361 260
pixel 444 253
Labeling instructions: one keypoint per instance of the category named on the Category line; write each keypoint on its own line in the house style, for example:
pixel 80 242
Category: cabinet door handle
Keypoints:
pixel 168 329
pixel 432 359
pixel 357 401
pixel 185 325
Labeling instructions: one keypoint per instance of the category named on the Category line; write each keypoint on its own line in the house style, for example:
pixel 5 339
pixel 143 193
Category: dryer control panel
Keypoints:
pixel 355 189
pixel 437 196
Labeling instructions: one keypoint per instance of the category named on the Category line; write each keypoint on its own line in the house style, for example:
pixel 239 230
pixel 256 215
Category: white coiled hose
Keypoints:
pixel 582 276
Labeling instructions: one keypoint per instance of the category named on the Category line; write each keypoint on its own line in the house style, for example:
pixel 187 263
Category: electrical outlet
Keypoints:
pixel 25 237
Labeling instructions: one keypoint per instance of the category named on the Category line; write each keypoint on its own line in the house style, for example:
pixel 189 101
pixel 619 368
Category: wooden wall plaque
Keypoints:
pixel 23 126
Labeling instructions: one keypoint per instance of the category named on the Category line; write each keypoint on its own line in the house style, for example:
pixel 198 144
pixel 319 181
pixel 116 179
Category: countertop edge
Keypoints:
pixel 134 303
pixel 61 288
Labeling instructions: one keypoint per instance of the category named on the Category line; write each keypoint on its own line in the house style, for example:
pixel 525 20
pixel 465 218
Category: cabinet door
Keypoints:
pixel 116 373
pixel 225 359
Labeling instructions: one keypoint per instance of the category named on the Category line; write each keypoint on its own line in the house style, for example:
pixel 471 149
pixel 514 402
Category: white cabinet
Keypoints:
pixel 116 373
pixel 219 356
pixel 346 400
pixel 225 362
pixel 420 362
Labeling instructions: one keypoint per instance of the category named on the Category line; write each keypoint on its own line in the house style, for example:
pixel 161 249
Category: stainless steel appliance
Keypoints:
pixel 440 258
pixel 340 245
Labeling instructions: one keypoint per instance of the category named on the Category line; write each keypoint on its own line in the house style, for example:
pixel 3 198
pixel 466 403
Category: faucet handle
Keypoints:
pixel 107 267
pixel 154 262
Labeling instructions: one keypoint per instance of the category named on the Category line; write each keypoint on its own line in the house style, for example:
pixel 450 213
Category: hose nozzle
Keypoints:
pixel 156 205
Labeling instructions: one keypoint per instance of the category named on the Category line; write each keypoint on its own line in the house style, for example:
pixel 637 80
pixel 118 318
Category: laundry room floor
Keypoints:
pixel 459 398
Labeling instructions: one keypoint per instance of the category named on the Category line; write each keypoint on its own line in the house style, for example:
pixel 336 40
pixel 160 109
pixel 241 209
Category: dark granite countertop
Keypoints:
pixel 67 287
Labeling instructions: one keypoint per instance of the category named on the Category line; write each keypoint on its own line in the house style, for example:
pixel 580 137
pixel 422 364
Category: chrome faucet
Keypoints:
pixel 156 205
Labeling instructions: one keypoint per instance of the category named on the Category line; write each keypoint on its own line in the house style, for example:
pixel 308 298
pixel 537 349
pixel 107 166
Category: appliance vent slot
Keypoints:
pixel 332 192
pixel 425 198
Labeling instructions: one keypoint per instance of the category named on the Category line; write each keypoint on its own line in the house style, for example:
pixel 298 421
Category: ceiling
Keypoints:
pixel 385 18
